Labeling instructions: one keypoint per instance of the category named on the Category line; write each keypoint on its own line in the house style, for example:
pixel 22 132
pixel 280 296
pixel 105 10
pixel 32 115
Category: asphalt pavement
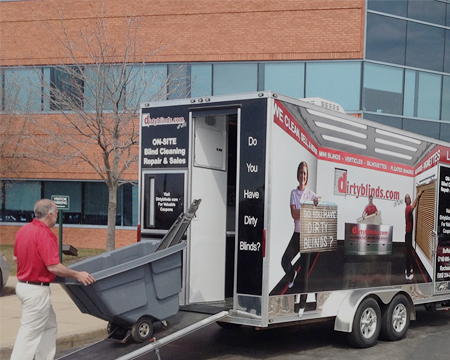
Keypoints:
pixel 74 327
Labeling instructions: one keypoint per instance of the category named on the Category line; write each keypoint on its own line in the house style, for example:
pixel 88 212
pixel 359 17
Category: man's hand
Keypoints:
pixel 85 278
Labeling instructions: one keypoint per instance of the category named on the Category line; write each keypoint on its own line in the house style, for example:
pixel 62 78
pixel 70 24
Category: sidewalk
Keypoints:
pixel 74 327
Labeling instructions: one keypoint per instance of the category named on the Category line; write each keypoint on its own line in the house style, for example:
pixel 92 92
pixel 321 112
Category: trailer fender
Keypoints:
pixel 348 307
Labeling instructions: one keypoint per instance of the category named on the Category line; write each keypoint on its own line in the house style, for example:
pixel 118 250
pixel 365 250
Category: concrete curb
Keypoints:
pixel 66 342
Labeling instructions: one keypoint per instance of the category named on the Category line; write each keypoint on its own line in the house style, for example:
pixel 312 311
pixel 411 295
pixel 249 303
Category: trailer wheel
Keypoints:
pixel 395 320
pixel 366 324
pixel 142 330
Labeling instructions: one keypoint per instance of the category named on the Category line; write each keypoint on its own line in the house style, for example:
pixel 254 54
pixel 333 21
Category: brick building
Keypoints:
pixel 388 61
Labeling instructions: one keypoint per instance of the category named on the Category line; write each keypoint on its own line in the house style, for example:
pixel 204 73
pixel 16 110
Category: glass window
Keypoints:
pixel 425 47
pixel 382 89
pixel 201 77
pixel 285 78
pixel 22 90
pixel 447 49
pixel 386 39
pixel 448 15
pixel 88 201
pixel 146 83
pixel 105 87
pixel 68 188
pixel 46 89
pixel 95 199
pixel 178 81
pixel 66 88
pixel 409 101
pixel 20 198
pixel 429 96
pixel 445 115
pixel 130 200
pixel 336 81
pixel 445 132
pixel 387 120
pixel 426 128
pixel 395 7
pixel 234 78
pixel 427 10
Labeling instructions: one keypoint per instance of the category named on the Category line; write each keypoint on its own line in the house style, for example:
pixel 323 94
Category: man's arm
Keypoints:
pixel 414 204
pixel 82 276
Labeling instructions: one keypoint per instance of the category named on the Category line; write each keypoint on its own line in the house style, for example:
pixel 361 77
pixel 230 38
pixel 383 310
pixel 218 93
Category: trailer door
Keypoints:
pixel 212 180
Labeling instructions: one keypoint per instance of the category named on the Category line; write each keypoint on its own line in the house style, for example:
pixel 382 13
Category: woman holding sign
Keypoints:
pixel 299 195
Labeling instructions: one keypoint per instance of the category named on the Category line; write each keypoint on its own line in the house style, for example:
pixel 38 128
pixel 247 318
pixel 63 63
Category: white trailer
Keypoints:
pixel 240 155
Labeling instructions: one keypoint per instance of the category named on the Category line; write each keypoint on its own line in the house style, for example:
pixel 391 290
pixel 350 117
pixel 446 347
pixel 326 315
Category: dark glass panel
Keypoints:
pixel 426 128
pixel 386 39
pixel 445 132
pixel 425 47
pixel 395 7
pixel 386 120
pixel 427 10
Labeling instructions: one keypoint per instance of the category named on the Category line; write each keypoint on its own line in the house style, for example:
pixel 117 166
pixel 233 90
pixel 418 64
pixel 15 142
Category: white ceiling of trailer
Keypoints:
pixel 347 133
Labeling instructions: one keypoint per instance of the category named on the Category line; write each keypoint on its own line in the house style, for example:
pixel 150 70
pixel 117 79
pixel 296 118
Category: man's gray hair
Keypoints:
pixel 43 207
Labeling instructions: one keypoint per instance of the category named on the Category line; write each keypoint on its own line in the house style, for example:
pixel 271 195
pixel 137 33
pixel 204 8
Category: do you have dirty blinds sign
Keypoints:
pixel 318 228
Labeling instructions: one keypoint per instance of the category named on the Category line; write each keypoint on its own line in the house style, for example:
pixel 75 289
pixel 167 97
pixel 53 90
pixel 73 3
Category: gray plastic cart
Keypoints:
pixel 135 285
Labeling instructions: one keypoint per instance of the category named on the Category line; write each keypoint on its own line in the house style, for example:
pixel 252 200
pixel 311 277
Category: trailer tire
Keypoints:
pixel 142 330
pixel 366 324
pixel 395 319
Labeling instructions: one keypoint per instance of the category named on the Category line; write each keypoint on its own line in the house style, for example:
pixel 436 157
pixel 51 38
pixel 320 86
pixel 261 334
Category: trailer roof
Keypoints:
pixel 335 130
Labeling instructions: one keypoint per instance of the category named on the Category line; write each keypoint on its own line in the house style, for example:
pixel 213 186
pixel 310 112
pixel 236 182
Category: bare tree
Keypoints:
pixel 96 91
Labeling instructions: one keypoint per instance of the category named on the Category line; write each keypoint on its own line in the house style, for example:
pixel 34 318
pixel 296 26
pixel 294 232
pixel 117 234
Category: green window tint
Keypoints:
pixel 285 78
pixel 234 78
pixel 335 81
pixel 201 80
pixel 382 89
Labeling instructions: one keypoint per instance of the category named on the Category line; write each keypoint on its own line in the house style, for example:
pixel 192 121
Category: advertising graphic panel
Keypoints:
pixel 443 246
pixel 368 198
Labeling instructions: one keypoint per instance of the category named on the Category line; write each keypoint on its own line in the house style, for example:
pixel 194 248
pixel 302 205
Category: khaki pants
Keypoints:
pixel 38 328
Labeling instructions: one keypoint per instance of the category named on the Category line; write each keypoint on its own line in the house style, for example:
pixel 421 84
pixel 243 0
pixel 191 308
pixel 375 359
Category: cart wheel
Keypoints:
pixel 165 324
pixel 366 324
pixel 395 320
pixel 117 331
pixel 142 330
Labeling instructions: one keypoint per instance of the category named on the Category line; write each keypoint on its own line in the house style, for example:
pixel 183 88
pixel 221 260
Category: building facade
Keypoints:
pixel 387 61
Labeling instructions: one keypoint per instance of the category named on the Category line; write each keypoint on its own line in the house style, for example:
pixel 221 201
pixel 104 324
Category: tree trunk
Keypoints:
pixel 112 211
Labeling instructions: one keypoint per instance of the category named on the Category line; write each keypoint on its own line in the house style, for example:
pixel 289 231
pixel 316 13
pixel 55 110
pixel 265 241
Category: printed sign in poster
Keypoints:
pixel 368 239
pixel 318 228
pixel 443 249
pixel 163 200
pixel 164 138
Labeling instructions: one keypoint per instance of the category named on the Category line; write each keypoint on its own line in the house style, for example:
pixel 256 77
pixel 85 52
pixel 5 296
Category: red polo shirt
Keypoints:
pixel 36 247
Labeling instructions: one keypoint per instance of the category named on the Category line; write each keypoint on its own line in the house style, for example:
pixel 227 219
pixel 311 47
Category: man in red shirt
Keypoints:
pixel 409 226
pixel 37 255
pixel 370 208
